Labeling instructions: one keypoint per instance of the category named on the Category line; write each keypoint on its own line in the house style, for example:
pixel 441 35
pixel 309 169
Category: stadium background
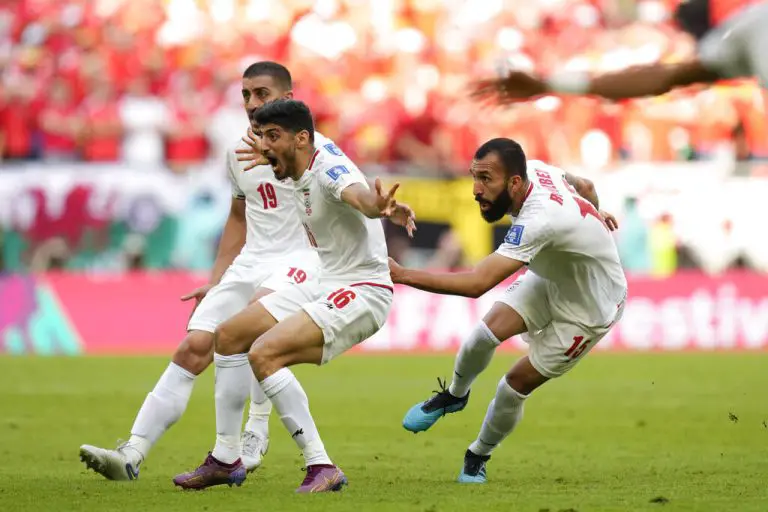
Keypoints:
pixel 115 115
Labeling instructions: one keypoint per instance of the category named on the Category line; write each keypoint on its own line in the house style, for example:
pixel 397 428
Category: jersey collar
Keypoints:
pixel 312 160
pixel 530 189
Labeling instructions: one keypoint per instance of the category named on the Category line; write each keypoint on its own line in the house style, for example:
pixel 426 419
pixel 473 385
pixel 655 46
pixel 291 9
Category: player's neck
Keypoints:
pixel 518 198
pixel 303 161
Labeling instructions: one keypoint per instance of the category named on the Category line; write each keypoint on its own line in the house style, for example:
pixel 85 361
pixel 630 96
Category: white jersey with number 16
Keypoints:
pixel 351 246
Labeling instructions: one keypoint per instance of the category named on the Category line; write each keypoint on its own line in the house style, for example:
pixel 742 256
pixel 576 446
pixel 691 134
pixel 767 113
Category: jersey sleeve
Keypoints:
pixel 338 176
pixel 232 170
pixel 524 240
pixel 719 53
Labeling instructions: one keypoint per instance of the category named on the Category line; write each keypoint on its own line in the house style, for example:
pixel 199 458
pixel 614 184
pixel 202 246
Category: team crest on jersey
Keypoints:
pixel 335 172
pixel 307 202
pixel 514 235
pixel 333 149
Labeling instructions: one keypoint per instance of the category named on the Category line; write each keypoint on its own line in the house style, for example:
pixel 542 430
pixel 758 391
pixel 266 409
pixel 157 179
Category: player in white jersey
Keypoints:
pixel 263 248
pixel 310 322
pixel 731 42
pixel 570 297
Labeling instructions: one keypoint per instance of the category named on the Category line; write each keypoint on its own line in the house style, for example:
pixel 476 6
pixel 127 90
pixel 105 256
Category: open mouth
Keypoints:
pixel 273 162
pixel 484 205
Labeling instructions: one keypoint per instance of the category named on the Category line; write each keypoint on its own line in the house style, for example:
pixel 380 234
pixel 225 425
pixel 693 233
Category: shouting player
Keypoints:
pixel 310 322
pixel 570 297
pixel 263 248
pixel 732 42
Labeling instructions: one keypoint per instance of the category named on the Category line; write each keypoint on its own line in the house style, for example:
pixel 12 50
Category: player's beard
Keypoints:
pixel 498 207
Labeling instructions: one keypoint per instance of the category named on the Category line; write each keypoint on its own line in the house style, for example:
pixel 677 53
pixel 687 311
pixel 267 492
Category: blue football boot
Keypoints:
pixel 423 415
pixel 474 471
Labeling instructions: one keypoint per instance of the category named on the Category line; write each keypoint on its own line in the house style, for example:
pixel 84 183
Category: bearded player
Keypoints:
pixel 731 42
pixel 567 301
pixel 263 248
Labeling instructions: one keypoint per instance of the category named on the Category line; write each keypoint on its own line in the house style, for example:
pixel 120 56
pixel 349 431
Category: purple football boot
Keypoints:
pixel 212 472
pixel 322 478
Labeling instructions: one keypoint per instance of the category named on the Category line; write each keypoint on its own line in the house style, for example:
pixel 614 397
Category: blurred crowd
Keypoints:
pixel 156 82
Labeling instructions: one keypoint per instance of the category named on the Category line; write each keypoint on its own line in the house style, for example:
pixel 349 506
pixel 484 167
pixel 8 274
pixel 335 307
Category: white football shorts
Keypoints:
pixel 556 344
pixel 240 282
pixel 348 313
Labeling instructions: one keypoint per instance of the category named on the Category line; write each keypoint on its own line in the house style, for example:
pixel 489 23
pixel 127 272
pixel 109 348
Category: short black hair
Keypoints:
pixel 291 115
pixel 278 72
pixel 510 153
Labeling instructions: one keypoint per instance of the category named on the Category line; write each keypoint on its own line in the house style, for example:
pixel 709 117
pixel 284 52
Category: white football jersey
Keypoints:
pixel 273 227
pixel 351 246
pixel 563 239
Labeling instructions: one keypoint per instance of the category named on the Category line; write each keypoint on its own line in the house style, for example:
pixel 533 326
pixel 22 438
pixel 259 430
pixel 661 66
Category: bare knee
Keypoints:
pixel 264 360
pixel 195 353
pixel 229 340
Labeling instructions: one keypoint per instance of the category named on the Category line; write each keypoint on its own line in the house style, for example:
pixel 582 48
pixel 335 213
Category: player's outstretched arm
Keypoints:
pixel 474 283
pixel 374 204
pixel 634 82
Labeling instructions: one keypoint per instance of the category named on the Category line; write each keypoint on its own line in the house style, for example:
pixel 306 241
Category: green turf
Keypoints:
pixel 616 433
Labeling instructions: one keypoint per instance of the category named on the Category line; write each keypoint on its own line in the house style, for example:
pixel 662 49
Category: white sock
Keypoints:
pixel 162 408
pixel 292 405
pixel 259 410
pixel 475 354
pixel 233 378
pixel 504 413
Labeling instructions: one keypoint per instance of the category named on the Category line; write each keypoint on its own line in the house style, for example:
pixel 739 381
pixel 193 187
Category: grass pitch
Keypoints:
pixel 621 432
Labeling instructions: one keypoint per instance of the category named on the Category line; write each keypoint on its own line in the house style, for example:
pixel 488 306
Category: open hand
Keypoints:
pixel 198 294
pixel 252 154
pixel 404 216
pixel 386 202
pixel 516 86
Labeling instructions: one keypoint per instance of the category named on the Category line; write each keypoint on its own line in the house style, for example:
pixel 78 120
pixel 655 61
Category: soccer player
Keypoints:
pixel 311 322
pixel 732 42
pixel 263 248
pixel 570 297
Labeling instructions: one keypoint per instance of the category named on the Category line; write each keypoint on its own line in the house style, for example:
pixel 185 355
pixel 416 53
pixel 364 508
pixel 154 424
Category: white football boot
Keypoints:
pixel 253 448
pixel 111 464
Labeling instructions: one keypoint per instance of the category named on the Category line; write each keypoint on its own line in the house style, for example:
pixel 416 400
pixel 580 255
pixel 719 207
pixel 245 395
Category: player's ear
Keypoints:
pixel 514 182
pixel 288 95
pixel 302 138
